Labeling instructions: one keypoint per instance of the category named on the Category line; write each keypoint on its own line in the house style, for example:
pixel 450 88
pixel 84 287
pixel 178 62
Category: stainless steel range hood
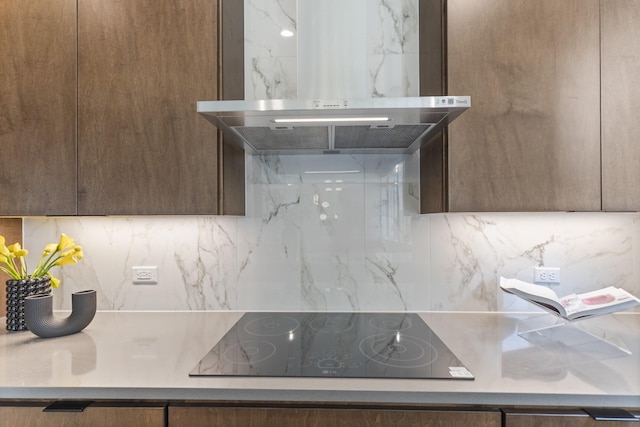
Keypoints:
pixel 342 84
pixel 374 125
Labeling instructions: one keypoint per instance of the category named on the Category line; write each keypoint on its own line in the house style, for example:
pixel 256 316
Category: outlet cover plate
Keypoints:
pixel 144 275
pixel 546 275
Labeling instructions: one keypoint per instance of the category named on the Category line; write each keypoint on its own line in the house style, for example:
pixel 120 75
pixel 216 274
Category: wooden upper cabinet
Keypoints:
pixel 142 66
pixel 37 107
pixel 531 139
pixel 620 105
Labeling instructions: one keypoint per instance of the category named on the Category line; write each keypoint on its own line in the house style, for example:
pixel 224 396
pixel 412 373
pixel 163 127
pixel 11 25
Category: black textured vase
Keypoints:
pixel 17 291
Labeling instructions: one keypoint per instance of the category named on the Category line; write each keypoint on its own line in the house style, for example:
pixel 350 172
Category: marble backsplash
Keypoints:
pixel 345 237
pixel 334 49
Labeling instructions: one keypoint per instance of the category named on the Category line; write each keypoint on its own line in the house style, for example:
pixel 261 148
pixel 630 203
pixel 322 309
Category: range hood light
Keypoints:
pixel 330 171
pixel 332 119
pixel 286 33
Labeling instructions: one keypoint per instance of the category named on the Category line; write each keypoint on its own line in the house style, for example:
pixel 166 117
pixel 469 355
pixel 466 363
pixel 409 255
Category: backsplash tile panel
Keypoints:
pixel 376 255
pixel 374 55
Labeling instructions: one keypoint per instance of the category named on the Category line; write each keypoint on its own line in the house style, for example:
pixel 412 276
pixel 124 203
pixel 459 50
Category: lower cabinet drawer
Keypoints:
pixel 195 416
pixel 538 417
pixel 93 415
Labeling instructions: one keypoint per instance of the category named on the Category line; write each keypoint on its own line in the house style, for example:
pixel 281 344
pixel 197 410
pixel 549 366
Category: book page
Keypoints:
pixel 529 289
pixel 595 300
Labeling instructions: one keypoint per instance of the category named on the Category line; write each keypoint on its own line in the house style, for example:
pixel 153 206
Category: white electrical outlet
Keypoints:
pixel 145 275
pixel 546 275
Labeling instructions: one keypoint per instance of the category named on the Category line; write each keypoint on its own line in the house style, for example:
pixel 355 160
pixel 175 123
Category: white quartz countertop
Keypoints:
pixel 148 355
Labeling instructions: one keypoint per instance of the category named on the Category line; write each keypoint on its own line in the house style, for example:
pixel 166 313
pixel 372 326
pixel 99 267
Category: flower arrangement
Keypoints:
pixel 13 263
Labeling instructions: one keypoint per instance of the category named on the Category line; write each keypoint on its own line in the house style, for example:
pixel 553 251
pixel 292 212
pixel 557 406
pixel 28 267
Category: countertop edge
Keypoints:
pixel 321 396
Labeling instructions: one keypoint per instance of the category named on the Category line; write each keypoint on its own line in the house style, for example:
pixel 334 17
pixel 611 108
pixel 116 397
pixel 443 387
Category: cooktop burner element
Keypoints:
pixel 349 345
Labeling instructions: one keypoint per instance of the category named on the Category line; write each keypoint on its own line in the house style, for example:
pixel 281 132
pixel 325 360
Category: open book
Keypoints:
pixel 573 306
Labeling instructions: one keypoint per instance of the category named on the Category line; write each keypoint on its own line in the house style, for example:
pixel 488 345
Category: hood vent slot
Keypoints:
pixel 264 139
pixel 367 137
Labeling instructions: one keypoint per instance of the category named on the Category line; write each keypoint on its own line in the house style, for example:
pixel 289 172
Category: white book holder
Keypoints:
pixel 577 335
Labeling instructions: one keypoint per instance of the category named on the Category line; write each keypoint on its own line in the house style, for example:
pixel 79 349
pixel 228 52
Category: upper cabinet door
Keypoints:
pixel 531 139
pixel 620 105
pixel 37 107
pixel 142 66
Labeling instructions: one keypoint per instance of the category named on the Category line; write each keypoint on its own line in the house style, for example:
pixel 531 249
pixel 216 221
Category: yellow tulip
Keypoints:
pixel 66 259
pixel 65 242
pixel 17 250
pixel 78 253
pixel 54 282
pixel 49 249
pixel 6 257
pixel 3 249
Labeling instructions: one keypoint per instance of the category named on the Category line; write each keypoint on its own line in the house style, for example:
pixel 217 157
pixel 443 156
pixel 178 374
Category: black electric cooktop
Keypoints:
pixel 349 345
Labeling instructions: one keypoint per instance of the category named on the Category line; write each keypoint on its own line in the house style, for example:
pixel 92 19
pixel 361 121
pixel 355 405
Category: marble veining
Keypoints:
pixel 383 273
pixel 392 48
pixel 393 26
pixel 270 59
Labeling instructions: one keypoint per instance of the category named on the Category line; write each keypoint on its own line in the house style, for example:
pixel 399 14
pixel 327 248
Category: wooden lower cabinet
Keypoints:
pixel 558 418
pixel 95 415
pixel 195 416
pixel 235 414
